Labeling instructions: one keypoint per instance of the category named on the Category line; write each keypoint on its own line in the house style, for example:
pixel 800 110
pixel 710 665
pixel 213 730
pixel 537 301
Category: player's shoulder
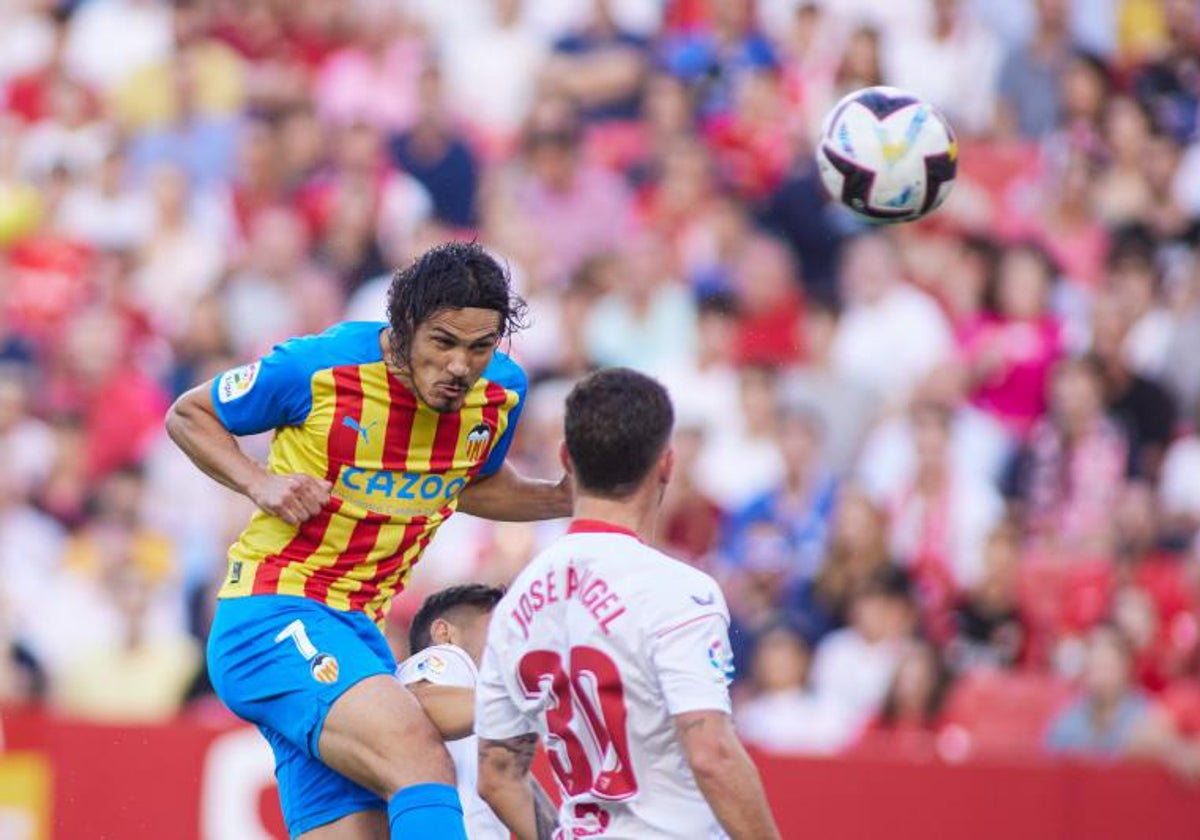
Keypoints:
pixel 673 580
pixel 660 586
pixel 439 664
pixel 506 373
pixel 347 343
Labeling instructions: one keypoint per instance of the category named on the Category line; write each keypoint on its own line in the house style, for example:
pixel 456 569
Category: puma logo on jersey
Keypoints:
pixel 363 433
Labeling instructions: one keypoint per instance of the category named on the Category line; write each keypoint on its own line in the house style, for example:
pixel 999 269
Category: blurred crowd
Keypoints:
pixel 948 472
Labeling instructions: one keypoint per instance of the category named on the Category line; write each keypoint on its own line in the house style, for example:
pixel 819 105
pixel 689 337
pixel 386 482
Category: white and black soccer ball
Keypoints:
pixel 887 155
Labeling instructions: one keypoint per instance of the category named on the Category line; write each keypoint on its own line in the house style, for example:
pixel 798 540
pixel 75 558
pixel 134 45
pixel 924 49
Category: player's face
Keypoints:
pixel 450 350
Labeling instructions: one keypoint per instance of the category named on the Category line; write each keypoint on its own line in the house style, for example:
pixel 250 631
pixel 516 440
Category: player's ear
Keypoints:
pixel 666 465
pixel 564 458
pixel 440 631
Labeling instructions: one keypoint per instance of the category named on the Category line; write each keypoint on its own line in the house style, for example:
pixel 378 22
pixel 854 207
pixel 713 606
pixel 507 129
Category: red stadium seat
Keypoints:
pixel 1006 714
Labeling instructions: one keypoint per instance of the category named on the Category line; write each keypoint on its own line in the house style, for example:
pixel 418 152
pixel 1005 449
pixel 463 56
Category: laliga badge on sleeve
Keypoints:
pixel 720 657
pixel 432 664
pixel 237 382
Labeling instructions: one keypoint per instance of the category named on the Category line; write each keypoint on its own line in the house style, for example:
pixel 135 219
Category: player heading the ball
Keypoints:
pixel 382 430
pixel 614 654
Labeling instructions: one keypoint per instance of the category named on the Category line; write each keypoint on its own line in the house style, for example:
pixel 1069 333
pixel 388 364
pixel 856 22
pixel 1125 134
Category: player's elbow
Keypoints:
pixel 492 785
pixel 711 759
pixel 184 413
pixel 176 419
pixel 709 744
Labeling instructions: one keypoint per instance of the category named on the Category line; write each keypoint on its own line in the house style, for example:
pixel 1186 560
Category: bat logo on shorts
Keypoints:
pixel 324 668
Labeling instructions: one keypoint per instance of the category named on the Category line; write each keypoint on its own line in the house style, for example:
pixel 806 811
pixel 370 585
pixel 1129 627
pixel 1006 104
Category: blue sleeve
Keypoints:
pixel 508 374
pixel 272 392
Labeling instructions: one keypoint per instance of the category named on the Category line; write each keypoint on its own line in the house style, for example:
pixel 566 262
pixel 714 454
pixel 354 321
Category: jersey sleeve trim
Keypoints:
pixel 671 629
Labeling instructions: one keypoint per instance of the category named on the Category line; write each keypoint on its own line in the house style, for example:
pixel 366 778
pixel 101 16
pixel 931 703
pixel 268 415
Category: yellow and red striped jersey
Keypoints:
pixel 396 465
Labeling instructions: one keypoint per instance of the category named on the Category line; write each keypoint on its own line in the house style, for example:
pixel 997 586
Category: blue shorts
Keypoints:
pixel 280 662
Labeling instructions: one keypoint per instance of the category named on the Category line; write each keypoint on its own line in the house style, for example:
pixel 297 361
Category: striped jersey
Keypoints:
pixel 396 465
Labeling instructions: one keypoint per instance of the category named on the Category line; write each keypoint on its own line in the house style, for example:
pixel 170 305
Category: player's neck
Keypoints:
pixel 637 513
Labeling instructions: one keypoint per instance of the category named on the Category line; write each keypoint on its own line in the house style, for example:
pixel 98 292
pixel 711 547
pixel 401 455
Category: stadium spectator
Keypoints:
pixel 940 521
pixel 845 408
pixel 783 714
pixel 575 209
pixel 1139 404
pixel 771 308
pixel 690 520
pixel 491 75
pixel 1029 77
pixel 109 41
pixel 1011 349
pixel 857 551
pixel 1074 466
pixel 435 152
pixel 372 80
pixel 980 447
pixel 741 459
pixel 716 59
pixel 647 320
pixel 156 668
pixel 1113 719
pixel 890 333
pixel 600 65
pixel 911 716
pixel 1179 485
pixel 854 666
pixel 703 385
pixel 989 628
pixel 802 504
pixel 954 64
pixel 1136 282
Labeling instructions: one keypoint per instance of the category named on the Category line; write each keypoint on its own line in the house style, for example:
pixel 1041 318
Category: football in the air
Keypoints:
pixel 887 155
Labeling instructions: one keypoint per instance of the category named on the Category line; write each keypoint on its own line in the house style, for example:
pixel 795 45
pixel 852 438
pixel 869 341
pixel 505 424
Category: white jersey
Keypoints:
pixel 451 665
pixel 596 646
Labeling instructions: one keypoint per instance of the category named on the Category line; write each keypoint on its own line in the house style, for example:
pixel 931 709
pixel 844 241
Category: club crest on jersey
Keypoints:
pixel 477 441
pixel 324 668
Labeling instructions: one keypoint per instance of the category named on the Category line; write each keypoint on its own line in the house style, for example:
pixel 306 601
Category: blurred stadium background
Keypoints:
pixel 949 473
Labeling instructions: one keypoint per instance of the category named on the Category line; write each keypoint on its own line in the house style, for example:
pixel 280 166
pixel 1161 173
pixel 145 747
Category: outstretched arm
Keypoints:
pixel 505 785
pixel 508 496
pixel 193 425
pixel 725 775
pixel 450 708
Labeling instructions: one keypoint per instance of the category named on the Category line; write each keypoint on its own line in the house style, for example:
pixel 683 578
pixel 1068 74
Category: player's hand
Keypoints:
pixel 294 498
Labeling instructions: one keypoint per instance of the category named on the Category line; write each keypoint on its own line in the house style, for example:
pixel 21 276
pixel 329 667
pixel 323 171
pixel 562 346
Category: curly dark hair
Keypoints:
pixel 454 275
pixel 440 604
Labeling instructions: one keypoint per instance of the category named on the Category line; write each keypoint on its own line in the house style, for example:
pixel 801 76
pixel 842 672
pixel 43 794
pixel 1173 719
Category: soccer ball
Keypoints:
pixel 886 155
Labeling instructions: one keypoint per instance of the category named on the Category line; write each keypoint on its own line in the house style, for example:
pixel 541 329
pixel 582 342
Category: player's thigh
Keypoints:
pixel 282 662
pixel 377 734
pixel 317 801
pixel 364 825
